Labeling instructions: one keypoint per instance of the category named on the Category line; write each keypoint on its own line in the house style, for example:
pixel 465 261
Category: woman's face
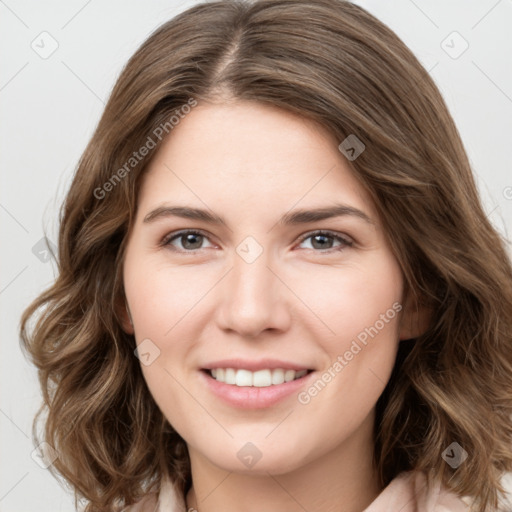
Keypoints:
pixel 258 293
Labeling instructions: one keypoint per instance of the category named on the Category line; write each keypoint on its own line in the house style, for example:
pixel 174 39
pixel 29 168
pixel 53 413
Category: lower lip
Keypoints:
pixel 251 397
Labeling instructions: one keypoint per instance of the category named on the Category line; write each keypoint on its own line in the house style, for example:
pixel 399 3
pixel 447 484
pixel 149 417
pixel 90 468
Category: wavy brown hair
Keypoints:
pixel 334 63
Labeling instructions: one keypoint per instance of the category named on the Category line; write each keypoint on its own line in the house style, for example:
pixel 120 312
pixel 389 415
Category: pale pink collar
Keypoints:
pixel 405 493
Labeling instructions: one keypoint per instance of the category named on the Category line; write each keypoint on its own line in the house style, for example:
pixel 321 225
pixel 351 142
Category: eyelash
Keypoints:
pixel 166 242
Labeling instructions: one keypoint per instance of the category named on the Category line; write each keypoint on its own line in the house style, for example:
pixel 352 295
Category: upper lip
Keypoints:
pixel 253 365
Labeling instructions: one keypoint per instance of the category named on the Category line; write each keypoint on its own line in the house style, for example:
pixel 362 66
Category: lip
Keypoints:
pixel 254 366
pixel 250 397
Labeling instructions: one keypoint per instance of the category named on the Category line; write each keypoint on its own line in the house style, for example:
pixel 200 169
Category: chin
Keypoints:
pixel 248 458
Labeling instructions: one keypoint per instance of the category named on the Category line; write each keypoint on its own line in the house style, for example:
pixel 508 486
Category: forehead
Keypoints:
pixel 252 154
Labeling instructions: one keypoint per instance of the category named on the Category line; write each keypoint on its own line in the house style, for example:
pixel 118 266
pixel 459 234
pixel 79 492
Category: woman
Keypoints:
pixel 277 286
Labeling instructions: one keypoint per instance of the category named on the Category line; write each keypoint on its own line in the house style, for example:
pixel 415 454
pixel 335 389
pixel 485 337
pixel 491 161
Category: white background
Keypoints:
pixel 50 107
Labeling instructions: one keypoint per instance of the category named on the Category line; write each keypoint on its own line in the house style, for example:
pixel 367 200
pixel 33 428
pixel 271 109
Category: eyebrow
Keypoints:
pixel 291 218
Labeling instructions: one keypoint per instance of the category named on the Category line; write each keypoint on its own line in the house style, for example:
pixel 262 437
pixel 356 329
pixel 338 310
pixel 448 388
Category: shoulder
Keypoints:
pixel 167 500
pixel 148 503
pixel 408 492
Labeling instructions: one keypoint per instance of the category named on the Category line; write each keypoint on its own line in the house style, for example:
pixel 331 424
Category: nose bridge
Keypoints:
pixel 252 279
pixel 252 297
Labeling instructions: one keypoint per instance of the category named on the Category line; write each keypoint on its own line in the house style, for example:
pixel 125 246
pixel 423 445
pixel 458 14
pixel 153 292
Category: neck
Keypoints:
pixel 345 476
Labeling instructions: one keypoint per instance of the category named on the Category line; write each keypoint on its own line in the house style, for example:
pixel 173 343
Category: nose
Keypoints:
pixel 253 299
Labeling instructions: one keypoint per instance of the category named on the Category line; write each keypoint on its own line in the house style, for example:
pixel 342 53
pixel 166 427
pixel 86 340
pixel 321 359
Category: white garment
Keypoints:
pixel 405 493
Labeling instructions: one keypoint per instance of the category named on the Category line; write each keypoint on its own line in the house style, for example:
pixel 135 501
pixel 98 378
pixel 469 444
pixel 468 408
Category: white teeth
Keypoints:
pixel 260 378
pixel 278 376
pixel 243 377
pixel 230 376
pixel 289 375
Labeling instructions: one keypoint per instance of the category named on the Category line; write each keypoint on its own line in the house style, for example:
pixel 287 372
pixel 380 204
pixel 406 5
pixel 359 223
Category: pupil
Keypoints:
pixel 189 238
pixel 322 244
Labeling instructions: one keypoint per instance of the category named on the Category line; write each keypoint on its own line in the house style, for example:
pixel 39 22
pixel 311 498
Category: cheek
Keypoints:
pixel 362 307
pixel 353 301
pixel 161 298
pixel 162 303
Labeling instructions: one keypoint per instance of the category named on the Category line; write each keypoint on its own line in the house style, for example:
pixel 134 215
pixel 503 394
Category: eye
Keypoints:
pixel 190 240
pixel 320 240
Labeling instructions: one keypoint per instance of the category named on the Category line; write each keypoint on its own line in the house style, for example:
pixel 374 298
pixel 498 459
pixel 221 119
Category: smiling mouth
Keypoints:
pixel 261 378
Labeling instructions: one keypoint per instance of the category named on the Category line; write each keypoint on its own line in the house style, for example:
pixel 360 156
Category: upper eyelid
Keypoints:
pixel 327 232
pixel 182 232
